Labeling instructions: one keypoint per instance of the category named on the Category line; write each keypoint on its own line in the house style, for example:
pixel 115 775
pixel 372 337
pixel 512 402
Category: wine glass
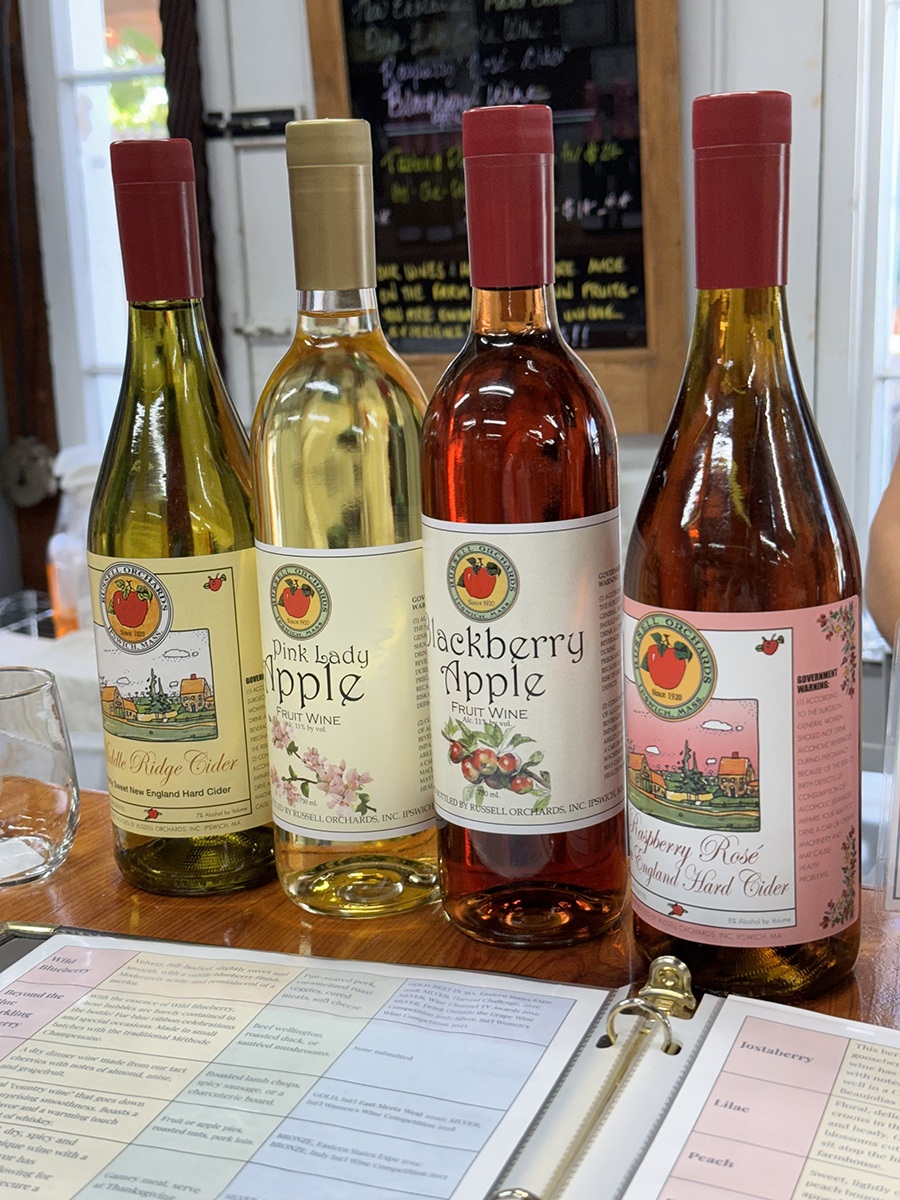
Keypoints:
pixel 38 788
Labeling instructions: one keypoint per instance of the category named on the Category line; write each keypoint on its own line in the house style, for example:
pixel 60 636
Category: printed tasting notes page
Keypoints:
pixel 170 1072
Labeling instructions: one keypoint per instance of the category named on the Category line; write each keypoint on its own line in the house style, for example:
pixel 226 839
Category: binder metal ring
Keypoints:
pixel 637 1004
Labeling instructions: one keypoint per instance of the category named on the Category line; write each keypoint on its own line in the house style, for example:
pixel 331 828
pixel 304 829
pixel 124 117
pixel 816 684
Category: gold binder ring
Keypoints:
pixel 637 1004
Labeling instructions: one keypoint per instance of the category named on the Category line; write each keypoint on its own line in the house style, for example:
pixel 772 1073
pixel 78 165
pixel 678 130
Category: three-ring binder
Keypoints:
pixel 667 994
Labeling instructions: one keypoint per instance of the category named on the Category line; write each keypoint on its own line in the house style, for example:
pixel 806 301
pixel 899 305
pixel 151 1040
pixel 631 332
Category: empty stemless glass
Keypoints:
pixel 38 789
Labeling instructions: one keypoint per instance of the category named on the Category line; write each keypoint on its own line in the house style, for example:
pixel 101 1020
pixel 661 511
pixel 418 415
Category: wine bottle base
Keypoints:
pixel 363 886
pixel 533 916
pixel 199 866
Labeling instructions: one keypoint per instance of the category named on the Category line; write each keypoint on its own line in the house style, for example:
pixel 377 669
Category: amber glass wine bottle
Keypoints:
pixel 522 584
pixel 335 450
pixel 172 567
pixel 742 617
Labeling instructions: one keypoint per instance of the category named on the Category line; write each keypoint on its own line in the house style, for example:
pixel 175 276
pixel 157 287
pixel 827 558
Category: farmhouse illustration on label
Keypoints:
pixel 166 695
pixel 702 773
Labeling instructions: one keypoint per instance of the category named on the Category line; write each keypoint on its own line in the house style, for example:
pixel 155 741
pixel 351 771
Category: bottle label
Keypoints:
pixel 346 690
pixel 743 772
pixel 525 673
pixel 178 656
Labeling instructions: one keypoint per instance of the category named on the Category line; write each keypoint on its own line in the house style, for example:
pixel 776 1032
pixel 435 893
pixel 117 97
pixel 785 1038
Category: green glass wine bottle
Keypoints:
pixel 172 567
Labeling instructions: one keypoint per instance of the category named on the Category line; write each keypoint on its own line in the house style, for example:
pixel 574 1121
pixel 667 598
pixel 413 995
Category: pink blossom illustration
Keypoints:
pixel 343 786
pixel 840 911
pixel 282 734
pixel 840 622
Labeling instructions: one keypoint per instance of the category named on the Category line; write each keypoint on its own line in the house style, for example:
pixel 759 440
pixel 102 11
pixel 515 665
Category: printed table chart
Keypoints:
pixel 795 1114
pixel 137 1073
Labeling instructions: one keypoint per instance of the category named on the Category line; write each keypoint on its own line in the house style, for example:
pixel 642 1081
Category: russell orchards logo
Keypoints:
pixel 300 601
pixel 137 609
pixel 674 667
pixel 482 581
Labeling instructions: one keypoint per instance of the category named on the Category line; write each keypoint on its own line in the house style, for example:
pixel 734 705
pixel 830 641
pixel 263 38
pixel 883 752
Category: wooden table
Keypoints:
pixel 88 891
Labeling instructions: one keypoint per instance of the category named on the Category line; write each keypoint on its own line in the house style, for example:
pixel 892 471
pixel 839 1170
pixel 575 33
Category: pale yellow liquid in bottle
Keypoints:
pixel 335 451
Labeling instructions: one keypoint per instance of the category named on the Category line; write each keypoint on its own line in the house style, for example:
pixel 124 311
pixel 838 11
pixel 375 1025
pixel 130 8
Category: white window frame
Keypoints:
pixel 52 81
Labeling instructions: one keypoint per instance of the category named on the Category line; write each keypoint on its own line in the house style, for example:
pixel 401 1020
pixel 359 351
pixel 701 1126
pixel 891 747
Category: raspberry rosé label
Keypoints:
pixel 343 634
pixel 743 772
pixel 178 657
pixel 524 666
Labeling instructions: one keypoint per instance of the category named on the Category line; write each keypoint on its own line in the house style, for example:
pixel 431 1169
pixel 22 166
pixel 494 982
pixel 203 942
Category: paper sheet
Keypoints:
pixel 782 1104
pixel 170 1072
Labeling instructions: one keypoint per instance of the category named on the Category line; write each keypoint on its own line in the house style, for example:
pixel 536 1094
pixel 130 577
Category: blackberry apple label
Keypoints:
pixel 743 772
pixel 343 636
pixel 524 671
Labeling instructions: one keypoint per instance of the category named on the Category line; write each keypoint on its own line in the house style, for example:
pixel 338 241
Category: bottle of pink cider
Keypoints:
pixel 742 587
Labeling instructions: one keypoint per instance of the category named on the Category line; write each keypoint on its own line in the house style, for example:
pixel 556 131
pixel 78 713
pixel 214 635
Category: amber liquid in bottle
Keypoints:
pixel 752 843
pixel 741 514
pixel 516 433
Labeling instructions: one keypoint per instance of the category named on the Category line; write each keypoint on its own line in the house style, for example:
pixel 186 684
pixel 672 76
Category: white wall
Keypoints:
pixel 724 47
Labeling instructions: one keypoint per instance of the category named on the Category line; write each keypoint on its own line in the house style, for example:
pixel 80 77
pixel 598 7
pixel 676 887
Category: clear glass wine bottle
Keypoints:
pixel 336 467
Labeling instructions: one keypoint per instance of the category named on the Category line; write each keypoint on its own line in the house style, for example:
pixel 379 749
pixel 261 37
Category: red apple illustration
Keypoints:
pixel 666 662
pixel 675 909
pixel 478 579
pixel 470 772
pixel 295 598
pixel 130 604
pixel 152 814
pixel 214 582
pixel 770 644
pixel 457 752
pixel 485 760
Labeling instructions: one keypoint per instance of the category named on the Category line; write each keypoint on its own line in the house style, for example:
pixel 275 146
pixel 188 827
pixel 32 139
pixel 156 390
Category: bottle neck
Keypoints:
pixel 741 338
pixel 343 313
pixel 166 335
pixel 519 311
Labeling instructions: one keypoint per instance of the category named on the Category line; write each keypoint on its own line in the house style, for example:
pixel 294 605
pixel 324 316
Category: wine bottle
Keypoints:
pixel 742 616
pixel 335 445
pixel 522 579
pixel 172 567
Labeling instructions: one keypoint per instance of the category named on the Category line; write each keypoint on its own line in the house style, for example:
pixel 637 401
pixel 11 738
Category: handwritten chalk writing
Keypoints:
pixel 396 162
pixel 616 290
pixel 593 312
pixel 611 265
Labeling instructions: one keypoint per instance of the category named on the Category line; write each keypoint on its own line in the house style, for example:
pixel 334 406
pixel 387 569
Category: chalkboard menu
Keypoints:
pixel 414 66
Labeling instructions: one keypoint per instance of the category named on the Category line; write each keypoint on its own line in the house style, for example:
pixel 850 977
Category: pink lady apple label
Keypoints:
pixel 525 675
pixel 178 657
pixel 343 635
pixel 743 772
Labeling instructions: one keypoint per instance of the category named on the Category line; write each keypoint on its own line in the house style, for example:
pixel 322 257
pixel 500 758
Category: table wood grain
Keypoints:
pixel 88 891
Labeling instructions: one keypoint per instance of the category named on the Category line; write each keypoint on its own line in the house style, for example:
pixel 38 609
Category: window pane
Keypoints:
pixel 115 35
pixel 99 108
